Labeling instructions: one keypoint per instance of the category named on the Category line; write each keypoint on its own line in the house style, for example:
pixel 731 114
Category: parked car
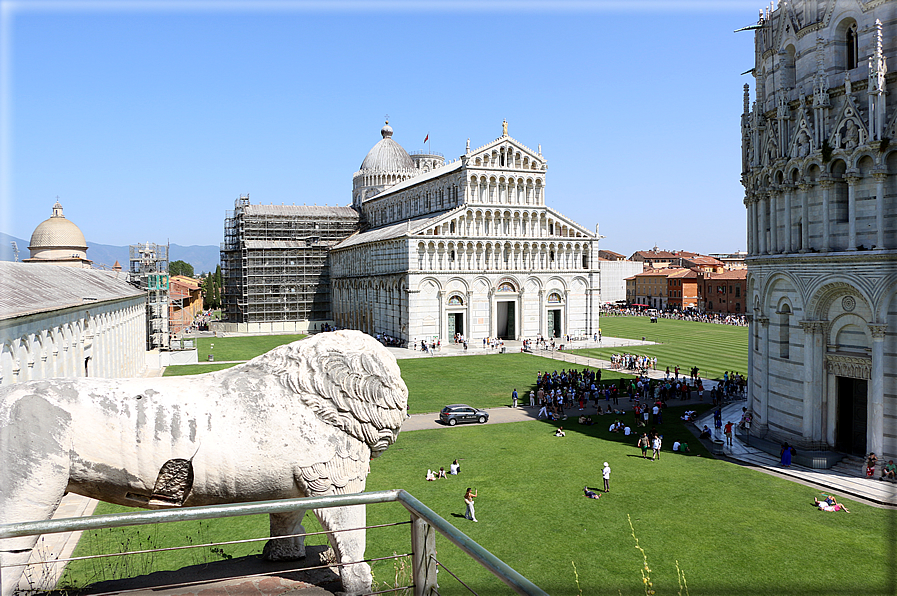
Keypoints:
pixel 456 413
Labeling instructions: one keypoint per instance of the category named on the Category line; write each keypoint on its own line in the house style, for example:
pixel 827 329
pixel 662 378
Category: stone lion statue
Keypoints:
pixel 303 420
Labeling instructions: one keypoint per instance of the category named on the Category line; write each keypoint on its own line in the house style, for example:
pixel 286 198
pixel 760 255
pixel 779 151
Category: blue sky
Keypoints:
pixel 148 119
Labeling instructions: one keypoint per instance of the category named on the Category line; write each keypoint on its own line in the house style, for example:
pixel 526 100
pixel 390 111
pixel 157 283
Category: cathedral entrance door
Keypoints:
pixel 850 429
pixel 554 323
pixel 505 318
pixel 455 323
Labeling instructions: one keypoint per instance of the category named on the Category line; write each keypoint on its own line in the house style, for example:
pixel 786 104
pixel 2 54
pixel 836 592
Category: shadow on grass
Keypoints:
pixel 225 577
pixel 672 430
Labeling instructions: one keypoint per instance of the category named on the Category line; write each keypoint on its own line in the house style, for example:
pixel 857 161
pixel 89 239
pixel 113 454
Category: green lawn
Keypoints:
pixel 711 347
pixel 730 529
pixel 181 370
pixel 480 381
pixel 240 348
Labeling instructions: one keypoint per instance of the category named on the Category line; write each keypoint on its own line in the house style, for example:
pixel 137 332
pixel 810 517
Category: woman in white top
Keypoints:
pixel 468 500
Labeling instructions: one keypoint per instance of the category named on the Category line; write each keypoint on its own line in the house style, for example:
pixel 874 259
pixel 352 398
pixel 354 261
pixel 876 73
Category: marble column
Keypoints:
pixel 826 186
pixel 761 205
pixel 763 413
pixel 875 412
pixel 755 224
pixel 811 363
pixel 787 245
pixel 880 178
pixel 750 224
pixel 750 375
pixel 440 326
pixel 774 220
pixel 542 319
pixel 492 322
pixel 804 196
pixel 852 180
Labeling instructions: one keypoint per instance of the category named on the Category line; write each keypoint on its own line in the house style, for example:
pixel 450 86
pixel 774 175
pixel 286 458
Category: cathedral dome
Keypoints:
pixel 387 155
pixel 57 232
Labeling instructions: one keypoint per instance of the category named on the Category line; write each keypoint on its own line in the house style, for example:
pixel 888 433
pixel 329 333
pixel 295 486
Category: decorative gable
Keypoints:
pixel 802 143
pixel 850 131
pixel 506 153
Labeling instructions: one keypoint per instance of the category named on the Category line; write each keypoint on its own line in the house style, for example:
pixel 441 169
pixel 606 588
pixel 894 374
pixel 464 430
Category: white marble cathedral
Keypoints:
pixel 463 247
pixel 820 176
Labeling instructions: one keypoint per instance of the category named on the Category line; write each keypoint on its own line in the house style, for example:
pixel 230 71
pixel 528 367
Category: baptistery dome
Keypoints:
pixel 58 240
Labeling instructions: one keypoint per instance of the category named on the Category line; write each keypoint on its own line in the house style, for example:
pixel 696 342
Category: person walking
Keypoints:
pixel 514 397
pixel 643 442
pixel 729 433
pixel 468 501
pixel 656 446
pixel 605 473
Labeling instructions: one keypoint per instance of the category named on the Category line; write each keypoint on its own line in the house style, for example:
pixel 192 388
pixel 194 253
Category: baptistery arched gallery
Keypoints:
pixel 466 247
pixel 820 177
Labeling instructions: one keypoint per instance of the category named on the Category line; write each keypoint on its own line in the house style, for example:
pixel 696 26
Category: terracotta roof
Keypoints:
pixel 734 274
pixel 684 273
pixel 663 254
pixel 185 281
pixel 704 259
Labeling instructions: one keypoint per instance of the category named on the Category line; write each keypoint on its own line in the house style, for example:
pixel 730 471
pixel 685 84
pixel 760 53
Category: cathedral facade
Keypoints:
pixel 466 247
pixel 819 167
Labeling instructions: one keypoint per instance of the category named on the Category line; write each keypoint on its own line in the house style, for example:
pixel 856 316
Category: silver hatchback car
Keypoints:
pixel 456 413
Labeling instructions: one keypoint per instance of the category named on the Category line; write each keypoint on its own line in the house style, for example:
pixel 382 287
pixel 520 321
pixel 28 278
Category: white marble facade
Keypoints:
pixel 464 247
pixel 820 177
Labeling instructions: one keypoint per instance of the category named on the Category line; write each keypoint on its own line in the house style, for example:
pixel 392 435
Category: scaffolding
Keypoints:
pixel 149 271
pixel 274 260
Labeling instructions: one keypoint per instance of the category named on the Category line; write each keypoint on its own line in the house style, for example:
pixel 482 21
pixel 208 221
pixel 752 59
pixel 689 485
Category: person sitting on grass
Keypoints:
pixel 430 476
pixel 889 471
pixel 829 504
pixel 560 432
pixel 590 493
pixel 441 473
pixel 705 433
pixel 683 447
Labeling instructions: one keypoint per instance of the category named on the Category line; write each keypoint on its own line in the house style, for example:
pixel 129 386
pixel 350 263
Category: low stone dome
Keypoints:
pixel 57 232
pixel 387 155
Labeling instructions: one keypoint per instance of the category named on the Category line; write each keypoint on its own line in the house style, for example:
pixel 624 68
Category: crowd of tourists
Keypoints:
pixel 719 318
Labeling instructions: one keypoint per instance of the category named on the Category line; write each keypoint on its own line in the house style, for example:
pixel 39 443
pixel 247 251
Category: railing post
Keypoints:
pixel 423 556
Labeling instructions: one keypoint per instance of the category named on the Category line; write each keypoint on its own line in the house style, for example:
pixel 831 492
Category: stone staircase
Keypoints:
pixel 852 465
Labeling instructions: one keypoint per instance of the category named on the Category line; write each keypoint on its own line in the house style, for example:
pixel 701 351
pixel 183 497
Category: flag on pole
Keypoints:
pixel 427 138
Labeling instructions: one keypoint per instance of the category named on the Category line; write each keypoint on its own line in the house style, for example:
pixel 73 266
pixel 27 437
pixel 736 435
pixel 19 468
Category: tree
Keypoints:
pixel 180 268
pixel 211 289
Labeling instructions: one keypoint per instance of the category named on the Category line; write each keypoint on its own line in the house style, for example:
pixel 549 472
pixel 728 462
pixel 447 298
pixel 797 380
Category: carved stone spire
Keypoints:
pixel 747 98
pixel 877 66
pixel 820 84
pixel 876 88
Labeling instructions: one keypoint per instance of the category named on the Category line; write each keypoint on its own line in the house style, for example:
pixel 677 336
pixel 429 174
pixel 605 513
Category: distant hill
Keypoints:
pixel 203 258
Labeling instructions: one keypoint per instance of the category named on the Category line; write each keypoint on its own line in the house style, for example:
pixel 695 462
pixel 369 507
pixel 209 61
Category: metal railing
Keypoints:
pixel 424 523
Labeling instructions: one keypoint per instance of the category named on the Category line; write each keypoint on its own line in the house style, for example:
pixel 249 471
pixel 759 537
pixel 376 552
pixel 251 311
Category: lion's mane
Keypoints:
pixel 349 380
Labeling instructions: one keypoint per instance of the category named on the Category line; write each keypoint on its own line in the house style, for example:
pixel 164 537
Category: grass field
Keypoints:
pixel 711 347
pixel 240 348
pixel 729 529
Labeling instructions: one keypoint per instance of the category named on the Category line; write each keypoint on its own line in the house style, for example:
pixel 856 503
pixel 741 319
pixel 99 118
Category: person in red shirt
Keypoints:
pixel 728 431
